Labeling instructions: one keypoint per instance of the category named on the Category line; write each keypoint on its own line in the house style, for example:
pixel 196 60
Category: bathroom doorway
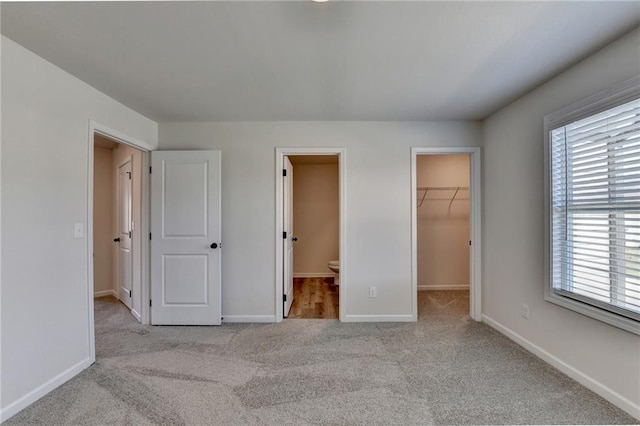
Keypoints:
pixel 310 255
pixel 315 228
pixel 446 231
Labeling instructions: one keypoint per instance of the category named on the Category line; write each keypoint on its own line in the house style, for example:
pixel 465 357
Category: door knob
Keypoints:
pixel 294 239
pixel 214 245
pixel 116 240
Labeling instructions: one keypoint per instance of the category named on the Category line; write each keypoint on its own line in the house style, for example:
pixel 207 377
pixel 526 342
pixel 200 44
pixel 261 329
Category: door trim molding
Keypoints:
pixel 475 233
pixel 281 152
pixel 100 129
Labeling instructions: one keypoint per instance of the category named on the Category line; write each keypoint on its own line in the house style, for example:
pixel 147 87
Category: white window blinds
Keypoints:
pixel 595 210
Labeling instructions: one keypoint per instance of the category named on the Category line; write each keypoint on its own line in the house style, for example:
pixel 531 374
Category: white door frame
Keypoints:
pixel 95 127
pixel 475 234
pixel 281 152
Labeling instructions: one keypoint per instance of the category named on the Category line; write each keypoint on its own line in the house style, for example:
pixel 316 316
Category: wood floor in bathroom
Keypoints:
pixel 314 298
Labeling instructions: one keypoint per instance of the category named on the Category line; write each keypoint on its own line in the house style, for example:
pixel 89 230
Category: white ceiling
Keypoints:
pixel 244 61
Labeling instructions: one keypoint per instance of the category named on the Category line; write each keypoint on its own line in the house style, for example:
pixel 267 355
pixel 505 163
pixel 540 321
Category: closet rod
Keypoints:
pixel 441 188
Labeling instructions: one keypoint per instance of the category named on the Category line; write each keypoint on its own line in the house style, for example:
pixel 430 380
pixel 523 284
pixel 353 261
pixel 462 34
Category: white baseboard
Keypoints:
pixel 609 394
pixel 313 275
pixel 248 318
pixel 379 318
pixel 105 293
pixel 31 397
pixel 137 315
pixel 422 287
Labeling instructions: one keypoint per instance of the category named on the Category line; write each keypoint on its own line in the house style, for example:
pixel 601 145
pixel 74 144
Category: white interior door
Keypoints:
pixel 124 272
pixel 287 247
pixel 185 238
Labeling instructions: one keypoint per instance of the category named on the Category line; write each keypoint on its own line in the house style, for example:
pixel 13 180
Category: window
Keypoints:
pixel 593 192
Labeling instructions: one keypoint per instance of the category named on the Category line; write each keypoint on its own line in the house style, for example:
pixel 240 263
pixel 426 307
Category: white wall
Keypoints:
pixel 603 357
pixel 443 225
pixel 103 213
pixel 44 307
pixel 378 207
pixel 316 221
pixel 121 153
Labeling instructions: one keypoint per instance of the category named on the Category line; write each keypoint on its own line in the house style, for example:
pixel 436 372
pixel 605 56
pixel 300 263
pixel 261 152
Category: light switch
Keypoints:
pixel 78 230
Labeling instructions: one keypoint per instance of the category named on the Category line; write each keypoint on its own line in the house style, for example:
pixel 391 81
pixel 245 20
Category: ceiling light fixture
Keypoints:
pixel 319 1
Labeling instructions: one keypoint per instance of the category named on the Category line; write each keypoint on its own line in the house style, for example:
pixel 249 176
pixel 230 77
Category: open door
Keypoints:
pixel 185 238
pixel 287 246
pixel 124 272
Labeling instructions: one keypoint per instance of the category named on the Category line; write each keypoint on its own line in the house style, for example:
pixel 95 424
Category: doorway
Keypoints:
pixel 442 198
pixel 445 218
pixel 180 176
pixel 311 199
pixel 116 217
pixel 309 239
pixel 102 165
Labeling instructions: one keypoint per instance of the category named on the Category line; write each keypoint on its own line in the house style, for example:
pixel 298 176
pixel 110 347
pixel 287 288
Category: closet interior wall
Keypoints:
pixel 443 221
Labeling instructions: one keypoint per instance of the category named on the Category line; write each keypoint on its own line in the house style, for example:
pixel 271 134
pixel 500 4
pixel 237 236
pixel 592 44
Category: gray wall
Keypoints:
pixel 513 251
pixel 45 295
pixel 378 206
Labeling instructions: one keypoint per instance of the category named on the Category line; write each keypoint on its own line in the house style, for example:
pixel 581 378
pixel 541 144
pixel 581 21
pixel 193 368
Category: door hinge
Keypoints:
pixel 284 172
pixel 149 169
pixel 129 234
pixel 284 235
pixel 149 236
pixel 150 303
pixel 469 242
pixel 284 297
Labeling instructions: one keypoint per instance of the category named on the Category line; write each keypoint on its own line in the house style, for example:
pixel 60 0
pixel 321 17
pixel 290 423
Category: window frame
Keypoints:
pixel 619 94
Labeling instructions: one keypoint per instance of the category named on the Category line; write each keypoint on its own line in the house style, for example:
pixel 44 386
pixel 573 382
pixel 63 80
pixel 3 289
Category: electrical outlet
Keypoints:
pixel 373 292
pixel 525 311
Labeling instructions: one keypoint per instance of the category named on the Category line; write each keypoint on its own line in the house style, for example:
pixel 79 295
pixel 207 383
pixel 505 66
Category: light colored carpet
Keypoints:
pixel 444 369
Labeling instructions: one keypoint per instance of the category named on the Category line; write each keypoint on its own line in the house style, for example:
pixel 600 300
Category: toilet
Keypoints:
pixel 334 265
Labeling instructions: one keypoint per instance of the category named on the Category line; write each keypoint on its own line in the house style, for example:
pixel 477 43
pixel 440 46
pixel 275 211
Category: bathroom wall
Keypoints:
pixel 103 213
pixel 443 227
pixel 315 218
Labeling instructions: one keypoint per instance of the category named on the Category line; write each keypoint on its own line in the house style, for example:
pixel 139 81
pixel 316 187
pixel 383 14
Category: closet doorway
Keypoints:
pixel 446 234
pixel 310 238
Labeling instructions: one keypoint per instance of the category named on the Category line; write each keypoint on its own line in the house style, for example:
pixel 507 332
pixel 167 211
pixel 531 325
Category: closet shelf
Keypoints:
pixel 455 189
